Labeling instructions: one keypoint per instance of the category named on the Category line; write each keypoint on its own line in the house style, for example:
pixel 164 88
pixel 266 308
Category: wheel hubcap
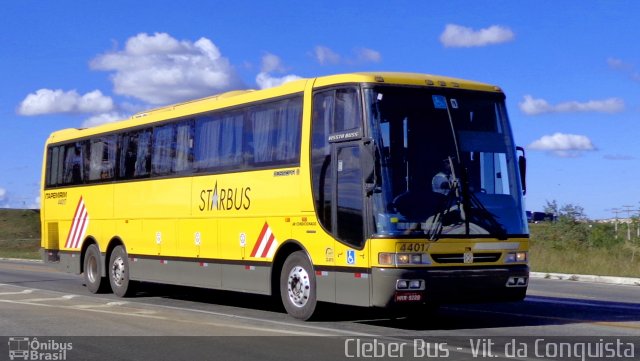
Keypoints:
pixel 92 269
pixel 118 271
pixel 299 286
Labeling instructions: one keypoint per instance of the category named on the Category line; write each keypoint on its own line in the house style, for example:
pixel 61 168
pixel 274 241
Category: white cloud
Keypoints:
pixel 4 198
pixel 48 101
pixel 272 63
pixel 625 68
pixel 326 56
pixel 102 118
pixel 533 106
pixel 563 145
pixel 618 64
pixel 457 36
pixel 364 55
pixel 265 80
pixel 159 69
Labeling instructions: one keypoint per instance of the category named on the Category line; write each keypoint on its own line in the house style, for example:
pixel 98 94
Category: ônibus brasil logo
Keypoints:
pixel 32 349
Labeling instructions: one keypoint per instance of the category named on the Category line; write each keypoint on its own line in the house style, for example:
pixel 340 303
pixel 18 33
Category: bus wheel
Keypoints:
pixel 119 272
pixel 298 286
pixel 92 271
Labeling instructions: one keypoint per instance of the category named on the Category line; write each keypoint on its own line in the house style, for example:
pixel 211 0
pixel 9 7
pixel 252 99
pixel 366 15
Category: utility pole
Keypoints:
pixel 615 223
pixel 628 210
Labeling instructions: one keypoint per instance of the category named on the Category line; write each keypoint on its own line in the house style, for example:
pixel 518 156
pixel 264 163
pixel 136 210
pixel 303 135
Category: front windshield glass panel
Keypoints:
pixel 445 163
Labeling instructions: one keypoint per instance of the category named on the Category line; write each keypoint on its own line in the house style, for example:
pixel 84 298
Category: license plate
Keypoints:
pixel 408 297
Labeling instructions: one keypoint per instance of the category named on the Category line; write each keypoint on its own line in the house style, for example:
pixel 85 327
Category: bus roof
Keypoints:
pixel 237 97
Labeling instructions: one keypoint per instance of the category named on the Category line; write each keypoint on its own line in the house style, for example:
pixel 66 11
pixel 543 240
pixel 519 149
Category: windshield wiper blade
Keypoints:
pixel 488 218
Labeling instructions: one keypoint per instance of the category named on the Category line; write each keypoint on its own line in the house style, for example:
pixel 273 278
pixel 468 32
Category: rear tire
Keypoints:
pixel 298 286
pixel 93 271
pixel 121 285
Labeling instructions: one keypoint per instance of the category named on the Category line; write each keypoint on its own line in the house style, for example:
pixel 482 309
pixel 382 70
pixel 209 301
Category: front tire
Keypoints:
pixel 298 286
pixel 93 271
pixel 119 272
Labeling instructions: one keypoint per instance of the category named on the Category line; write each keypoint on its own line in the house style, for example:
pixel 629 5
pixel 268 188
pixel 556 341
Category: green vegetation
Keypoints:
pixel 572 244
pixel 19 233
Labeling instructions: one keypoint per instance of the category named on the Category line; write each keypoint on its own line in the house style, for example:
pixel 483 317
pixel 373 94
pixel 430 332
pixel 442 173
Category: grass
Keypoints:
pixel 19 233
pixel 616 261
pixel 583 248
pixel 20 248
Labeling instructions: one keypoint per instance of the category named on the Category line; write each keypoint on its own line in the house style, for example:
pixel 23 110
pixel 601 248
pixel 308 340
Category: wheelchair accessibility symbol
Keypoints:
pixel 351 256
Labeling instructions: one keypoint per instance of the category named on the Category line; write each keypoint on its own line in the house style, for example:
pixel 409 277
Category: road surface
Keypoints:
pixel 39 302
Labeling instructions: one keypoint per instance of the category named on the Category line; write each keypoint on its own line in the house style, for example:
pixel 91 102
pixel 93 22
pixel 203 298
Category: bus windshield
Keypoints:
pixel 445 163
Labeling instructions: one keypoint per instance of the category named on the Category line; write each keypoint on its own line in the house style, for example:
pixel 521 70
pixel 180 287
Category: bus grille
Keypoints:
pixel 459 257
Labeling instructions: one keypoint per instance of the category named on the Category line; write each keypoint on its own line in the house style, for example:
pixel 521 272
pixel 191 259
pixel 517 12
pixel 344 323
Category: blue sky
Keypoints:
pixel 570 69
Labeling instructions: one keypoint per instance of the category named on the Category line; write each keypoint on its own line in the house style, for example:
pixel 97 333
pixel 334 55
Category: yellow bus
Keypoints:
pixel 367 189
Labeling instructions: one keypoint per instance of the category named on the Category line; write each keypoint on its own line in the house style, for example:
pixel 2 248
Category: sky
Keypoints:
pixel 570 70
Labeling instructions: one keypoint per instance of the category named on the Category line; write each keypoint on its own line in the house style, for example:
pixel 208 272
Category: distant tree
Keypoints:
pixel 573 212
pixel 551 207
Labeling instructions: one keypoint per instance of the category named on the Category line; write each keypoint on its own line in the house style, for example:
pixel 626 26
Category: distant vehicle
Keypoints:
pixel 542 217
pixel 367 189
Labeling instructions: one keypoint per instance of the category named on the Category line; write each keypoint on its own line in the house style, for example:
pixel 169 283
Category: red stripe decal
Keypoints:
pixel 265 251
pixel 75 215
pixel 80 228
pixel 260 238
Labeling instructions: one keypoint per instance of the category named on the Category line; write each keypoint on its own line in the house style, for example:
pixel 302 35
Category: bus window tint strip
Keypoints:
pixel 257 136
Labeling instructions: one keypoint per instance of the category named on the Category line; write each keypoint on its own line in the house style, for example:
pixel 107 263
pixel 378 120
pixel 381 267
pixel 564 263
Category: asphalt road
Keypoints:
pixel 55 307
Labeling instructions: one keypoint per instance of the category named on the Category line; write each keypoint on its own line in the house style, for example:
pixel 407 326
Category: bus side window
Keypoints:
pixel 74 164
pixel 134 156
pixel 102 155
pixel 183 159
pixel 164 142
pixel 347 110
pixel 276 132
pixel 55 166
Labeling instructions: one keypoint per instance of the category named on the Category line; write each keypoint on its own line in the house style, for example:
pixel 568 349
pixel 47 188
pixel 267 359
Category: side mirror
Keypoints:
pixel 522 164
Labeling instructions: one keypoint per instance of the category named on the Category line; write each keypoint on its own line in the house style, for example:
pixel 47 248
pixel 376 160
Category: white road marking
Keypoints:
pixel 23 292
pixel 63 298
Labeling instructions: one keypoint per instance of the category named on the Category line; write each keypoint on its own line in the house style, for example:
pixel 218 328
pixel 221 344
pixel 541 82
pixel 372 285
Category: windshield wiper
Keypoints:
pixel 466 207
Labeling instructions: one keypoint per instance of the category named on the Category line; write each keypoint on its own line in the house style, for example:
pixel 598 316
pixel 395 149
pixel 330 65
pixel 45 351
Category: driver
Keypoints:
pixel 441 182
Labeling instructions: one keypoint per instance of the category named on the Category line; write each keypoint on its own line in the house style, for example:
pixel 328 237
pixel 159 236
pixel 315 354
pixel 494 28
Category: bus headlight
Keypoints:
pixel 396 259
pixel 513 257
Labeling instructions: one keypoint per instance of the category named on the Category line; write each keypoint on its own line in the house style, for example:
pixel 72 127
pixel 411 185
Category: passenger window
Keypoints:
pixel 276 132
pixel 135 155
pixel 74 164
pixel 218 142
pixel 163 149
pixel 184 147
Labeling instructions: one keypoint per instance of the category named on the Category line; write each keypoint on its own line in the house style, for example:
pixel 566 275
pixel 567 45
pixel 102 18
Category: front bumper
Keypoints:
pixel 450 284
